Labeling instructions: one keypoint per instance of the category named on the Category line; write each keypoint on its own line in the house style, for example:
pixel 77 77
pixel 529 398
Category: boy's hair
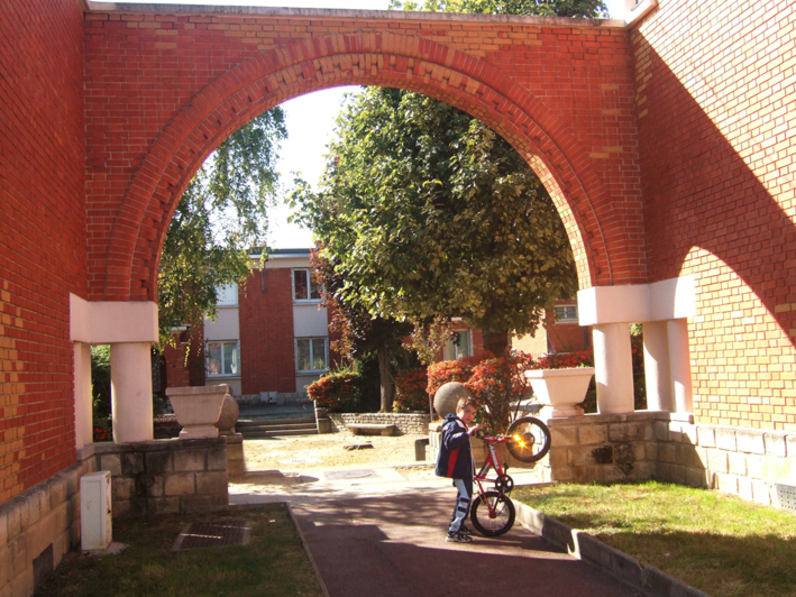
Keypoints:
pixel 466 401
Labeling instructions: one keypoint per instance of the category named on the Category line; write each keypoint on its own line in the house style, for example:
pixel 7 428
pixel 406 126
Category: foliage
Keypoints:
pixel 496 386
pixel 221 215
pixel 411 395
pixel 426 212
pixel 446 371
pixel 715 542
pixel 339 392
pixel 101 391
pixel 542 8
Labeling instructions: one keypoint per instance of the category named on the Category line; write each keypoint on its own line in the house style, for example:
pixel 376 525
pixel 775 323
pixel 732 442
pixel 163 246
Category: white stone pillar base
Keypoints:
pixel 131 392
pixel 613 364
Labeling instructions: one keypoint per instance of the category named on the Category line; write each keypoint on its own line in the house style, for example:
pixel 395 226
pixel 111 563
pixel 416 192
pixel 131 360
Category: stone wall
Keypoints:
pixel 38 526
pixel 167 476
pixel 746 462
pixel 404 422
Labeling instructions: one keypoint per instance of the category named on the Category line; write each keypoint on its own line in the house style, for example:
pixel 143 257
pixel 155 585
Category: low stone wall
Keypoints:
pixel 404 422
pixel 670 447
pixel 166 476
pixel 39 526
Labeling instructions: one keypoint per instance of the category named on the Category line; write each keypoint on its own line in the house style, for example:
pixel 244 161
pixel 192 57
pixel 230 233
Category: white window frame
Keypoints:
pixel 207 359
pixel 310 283
pixel 309 339
pixel 566 311
pixel 452 349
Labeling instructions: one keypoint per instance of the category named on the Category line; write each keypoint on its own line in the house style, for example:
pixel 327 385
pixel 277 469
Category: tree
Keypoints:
pixel 426 212
pixel 220 217
pixel 541 8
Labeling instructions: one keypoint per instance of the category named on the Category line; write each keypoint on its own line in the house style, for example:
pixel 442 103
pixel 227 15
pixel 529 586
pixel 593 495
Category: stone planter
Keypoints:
pixel 560 390
pixel 198 409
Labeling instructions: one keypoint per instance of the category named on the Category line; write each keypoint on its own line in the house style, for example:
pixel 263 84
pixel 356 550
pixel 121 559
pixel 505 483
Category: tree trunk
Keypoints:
pixel 385 380
pixel 497 343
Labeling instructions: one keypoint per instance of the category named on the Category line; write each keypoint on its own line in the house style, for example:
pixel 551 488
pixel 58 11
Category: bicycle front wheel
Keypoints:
pixel 529 439
pixel 492 513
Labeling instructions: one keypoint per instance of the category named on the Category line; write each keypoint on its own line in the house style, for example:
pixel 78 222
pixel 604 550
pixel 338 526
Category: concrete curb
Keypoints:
pixel 315 568
pixel 630 571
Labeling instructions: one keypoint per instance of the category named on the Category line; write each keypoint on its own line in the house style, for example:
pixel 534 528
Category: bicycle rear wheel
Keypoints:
pixel 529 439
pixel 492 513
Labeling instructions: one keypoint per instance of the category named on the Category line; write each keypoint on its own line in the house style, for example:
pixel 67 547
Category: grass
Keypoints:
pixel 273 564
pixel 714 542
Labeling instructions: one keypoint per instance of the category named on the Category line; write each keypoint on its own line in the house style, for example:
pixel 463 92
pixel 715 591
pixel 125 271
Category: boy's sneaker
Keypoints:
pixel 459 537
pixel 465 530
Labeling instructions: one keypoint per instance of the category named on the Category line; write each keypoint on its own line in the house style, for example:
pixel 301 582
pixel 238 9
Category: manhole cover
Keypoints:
pixel 349 474
pixel 197 535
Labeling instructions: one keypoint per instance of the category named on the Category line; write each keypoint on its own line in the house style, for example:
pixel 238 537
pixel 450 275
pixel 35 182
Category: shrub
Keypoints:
pixel 339 392
pixel 411 394
pixel 445 371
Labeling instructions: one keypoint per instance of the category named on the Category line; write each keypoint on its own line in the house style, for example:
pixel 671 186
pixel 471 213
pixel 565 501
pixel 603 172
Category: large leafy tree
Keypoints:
pixel 541 8
pixel 425 213
pixel 220 217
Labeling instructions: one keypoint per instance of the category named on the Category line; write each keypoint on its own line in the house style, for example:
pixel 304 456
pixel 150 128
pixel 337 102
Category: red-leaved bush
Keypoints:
pixel 339 392
pixel 410 394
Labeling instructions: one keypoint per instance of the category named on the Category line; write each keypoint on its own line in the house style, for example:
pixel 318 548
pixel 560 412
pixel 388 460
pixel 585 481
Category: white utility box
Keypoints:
pixel 95 511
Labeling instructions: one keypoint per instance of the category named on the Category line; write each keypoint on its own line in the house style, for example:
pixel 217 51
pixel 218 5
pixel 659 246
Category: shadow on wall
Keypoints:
pixel 701 193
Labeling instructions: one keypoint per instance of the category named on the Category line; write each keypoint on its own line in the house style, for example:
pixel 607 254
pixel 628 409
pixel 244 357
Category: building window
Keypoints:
pixel 311 354
pixel 567 314
pixel 304 287
pixel 461 346
pixel 223 358
pixel 227 295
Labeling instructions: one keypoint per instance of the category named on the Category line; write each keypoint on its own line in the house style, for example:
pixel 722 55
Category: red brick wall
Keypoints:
pixel 42 235
pixel 266 333
pixel 163 90
pixel 715 92
pixel 182 372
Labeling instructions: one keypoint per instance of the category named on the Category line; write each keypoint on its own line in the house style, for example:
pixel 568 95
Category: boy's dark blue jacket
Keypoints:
pixel 455 457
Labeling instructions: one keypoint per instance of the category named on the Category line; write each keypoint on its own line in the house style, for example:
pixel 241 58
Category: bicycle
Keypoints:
pixel 528 440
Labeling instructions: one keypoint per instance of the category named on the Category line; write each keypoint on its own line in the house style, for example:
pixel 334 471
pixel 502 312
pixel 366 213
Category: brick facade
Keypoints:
pixel 717 154
pixel 42 236
pixel 266 333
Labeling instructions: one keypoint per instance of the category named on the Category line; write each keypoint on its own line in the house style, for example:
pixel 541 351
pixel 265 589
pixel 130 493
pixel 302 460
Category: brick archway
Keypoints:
pixel 385 59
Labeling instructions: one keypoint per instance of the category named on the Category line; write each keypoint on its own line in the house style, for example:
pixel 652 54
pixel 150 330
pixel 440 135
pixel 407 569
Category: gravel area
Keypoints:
pixel 291 453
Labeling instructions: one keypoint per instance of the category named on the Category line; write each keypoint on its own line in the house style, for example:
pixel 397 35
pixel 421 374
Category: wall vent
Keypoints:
pixel 786 497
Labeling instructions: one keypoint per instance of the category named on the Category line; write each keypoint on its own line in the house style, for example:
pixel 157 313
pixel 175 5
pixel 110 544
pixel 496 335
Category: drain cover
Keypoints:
pixel 197 535
pixel 361 474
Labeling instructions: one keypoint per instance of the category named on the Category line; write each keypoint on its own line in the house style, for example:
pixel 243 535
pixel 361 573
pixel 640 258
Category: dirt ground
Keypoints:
pixel 300 452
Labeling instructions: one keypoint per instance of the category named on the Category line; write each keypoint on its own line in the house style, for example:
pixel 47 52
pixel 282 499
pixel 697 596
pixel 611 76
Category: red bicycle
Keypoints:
pixel 492 512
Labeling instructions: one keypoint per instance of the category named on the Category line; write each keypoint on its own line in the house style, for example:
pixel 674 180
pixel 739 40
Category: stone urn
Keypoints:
pixel 448 395
pixel 198 409
pixel 560 391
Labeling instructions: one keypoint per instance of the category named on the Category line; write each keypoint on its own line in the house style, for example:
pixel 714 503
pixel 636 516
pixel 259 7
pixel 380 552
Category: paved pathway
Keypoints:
pixel 371 533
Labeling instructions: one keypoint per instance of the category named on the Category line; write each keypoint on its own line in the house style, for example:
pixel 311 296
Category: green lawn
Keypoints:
pixel 273 564
pixel 717 543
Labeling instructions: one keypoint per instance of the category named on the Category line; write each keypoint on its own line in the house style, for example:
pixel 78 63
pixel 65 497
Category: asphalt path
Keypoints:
pixel 371 533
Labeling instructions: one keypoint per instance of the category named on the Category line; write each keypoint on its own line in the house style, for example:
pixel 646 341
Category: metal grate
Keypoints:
pixel 198 535
pixel 786 495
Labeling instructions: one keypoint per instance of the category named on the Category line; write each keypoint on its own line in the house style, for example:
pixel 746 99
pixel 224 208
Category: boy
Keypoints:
pixel 456 461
